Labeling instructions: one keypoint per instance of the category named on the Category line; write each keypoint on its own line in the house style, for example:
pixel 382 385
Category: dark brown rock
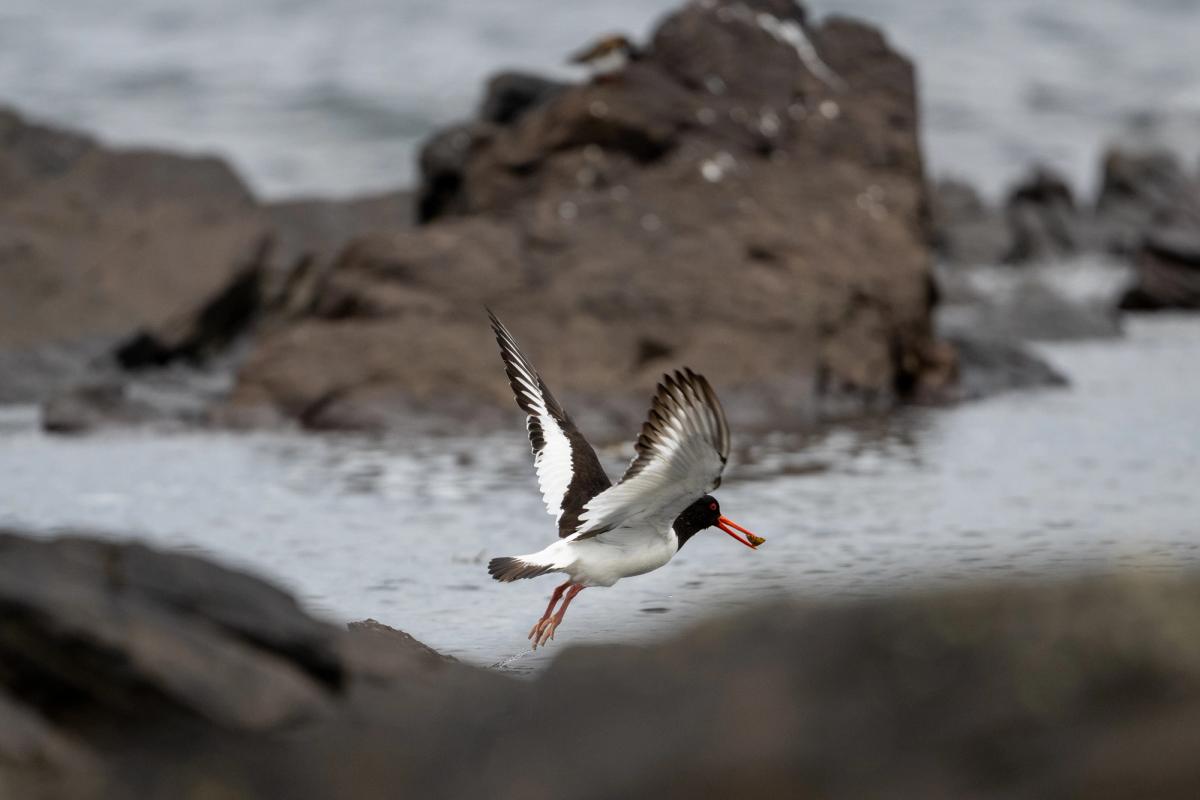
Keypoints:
pixel 759 216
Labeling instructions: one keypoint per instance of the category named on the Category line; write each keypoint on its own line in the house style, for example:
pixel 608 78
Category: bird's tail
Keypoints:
pixel 507 569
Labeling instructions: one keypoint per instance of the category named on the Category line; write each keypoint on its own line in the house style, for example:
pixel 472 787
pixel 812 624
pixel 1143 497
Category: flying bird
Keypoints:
pixel 612 531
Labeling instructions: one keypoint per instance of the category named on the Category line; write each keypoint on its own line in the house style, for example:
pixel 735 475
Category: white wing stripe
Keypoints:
pixel 681 454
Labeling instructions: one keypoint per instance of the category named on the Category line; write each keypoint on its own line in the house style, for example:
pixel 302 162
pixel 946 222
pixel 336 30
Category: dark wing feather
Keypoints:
pixel 568 471
pixel 680 455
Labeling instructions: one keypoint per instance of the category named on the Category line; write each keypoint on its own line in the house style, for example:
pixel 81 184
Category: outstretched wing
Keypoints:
pixel 568 471
pixel 680 455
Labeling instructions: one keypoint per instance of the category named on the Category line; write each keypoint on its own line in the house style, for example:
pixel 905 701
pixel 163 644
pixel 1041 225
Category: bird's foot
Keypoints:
pixel 547 632
pixel 538 627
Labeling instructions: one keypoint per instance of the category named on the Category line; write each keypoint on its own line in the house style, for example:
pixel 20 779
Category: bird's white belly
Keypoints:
pixel 605 559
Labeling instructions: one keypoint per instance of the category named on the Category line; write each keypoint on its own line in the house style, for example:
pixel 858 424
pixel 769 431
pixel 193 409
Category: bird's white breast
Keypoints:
pixel 621 553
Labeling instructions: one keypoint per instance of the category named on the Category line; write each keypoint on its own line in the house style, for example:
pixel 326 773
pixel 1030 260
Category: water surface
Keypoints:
pixel 1094 477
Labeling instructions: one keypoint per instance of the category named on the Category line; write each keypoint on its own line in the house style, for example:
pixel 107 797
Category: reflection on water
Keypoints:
pixel 1101 475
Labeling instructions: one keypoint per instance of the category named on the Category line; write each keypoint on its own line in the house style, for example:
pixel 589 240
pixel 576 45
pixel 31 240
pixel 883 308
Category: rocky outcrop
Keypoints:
pixel 1167 270
pixel 747 198
pixel 135 259
pixel 127 672
pixel 1144 197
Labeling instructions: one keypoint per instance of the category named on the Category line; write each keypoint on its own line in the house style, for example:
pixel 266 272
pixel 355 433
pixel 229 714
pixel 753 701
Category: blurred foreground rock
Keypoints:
pixel 747 199
pixel 127 672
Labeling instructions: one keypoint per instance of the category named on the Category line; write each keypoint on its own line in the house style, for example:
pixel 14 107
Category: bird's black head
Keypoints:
pixel 705 513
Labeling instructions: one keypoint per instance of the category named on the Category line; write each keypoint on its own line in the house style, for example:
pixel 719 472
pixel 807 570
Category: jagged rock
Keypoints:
pixel 753 205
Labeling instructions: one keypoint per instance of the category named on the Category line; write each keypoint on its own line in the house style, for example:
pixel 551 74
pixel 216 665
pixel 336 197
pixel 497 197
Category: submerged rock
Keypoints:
pixel 129 672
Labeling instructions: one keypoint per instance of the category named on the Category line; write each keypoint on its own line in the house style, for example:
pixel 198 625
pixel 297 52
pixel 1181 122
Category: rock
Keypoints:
pixel 1030 309
pixel 124 632
pixel 966 230
pixel 1141 191
pixel 1042 217
pixel 989 365
pixel 1167 272
pixel 209 327
pixel 510 94
pixel 31 374
pixel 92 405
pixel 97 242
pixel 441 163
pixel 754 207
pixel 382 651
pixel 154 666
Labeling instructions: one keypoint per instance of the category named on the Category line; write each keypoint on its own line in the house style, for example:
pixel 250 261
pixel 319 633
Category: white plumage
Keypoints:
pixel 609 532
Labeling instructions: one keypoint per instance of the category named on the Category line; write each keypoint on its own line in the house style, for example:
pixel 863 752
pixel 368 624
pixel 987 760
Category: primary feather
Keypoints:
pixel 568 472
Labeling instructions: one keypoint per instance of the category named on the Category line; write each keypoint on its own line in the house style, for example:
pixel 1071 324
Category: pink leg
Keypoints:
pixel 558 592
pixel 547 632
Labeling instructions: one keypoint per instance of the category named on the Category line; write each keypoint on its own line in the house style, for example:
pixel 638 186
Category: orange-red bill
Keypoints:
pixel 729 526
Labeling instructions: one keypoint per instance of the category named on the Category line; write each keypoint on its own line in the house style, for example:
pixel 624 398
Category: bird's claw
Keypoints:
pixel 543 632
pixel 539 627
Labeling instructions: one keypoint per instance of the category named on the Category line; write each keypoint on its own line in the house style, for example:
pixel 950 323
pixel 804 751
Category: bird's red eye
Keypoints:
pixel 712 506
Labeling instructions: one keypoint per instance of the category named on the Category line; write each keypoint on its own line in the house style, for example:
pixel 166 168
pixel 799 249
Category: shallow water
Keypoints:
pixel 335 97
pixel 1100 475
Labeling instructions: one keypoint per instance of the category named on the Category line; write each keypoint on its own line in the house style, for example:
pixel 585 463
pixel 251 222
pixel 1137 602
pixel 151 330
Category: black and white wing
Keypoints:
pixel 568 471
pixel 680 455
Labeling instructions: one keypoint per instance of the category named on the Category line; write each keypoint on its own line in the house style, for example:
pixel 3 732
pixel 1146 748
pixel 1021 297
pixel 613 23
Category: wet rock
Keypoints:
pixel 31 374
pixel 1141 191
pixel 748 196
pixel 989 365
pixel 966 229
pixel 1167 272
pixel 1030 309
pixel 1043 219
pixel 154 664
pixel 94 404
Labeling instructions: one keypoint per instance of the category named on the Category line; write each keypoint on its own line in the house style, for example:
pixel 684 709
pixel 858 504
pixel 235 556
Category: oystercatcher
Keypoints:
pixel 606 531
